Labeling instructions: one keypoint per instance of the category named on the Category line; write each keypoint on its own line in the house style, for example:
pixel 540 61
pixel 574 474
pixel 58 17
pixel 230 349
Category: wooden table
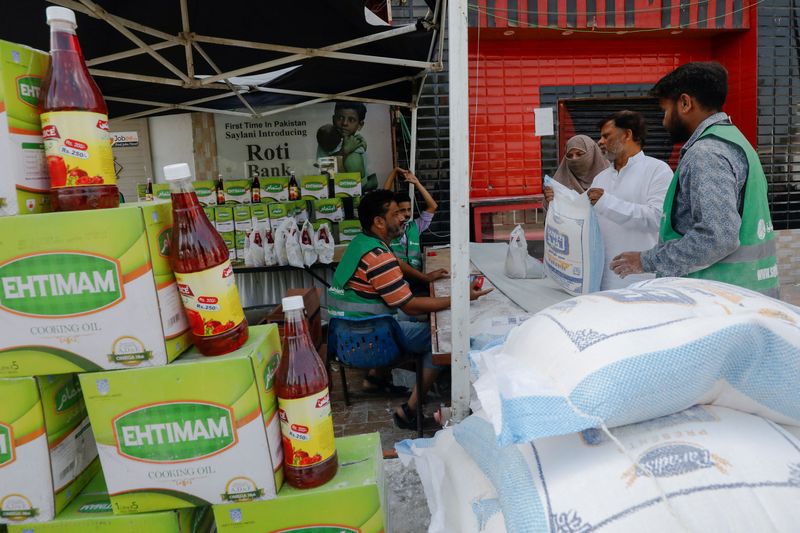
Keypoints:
pixel 494 304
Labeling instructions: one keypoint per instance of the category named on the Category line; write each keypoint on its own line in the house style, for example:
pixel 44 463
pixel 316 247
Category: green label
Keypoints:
pixel 99 507
pixel 60 284
pixel 322 529
pixel 351 230
pixel 270 370
pixel 163 242
pixel 274 187
pixel 68 396
pixel 235 191
pixel 6 445
pixel 28 88
pixel 202 191
pixel 347 183
pixel 174 432
pixel 277 211
pixel 327 208
pixel 314 186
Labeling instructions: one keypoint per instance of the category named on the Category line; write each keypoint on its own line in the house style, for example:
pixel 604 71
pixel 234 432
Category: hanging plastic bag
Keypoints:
pixel 520 265
pixel 307 244
pixel 269 248
pixel 323 243
pixel 254 248
pixel 294 254
pixel 574 256
pixel 280 242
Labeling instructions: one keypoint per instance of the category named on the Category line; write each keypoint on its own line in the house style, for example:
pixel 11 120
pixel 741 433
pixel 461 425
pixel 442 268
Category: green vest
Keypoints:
pixel 344 301
pixel 753 265
pixel 410 252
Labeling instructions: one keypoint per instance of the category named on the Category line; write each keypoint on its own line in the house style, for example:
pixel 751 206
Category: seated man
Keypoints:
pixel 368 282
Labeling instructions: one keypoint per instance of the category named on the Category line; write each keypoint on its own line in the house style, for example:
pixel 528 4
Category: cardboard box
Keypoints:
pixel 353 501
pixel 242 218
pixel 311 301
pixel 240 242
pixel 347 184
pixel 88 290
pixel 301 211
pixel 209 211
pixel 278 212
pixel 206 192
pixel 314 187
pixel 161 191
pixel 229 238
pixel 329 209
pixel 260 216
pixel 91 512
pixel 236 191
pixel 203 430
pixel 348 229
pixel 223 219
pixel 47 450
pixel 274 189
pixel 24 179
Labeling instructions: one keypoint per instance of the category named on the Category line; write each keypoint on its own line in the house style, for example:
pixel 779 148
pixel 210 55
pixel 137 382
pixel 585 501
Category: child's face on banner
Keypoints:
pixel 346 121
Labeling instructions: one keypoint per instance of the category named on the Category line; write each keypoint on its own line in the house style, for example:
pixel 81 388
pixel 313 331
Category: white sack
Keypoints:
pixel 307 244
pixel 270 259
pixel 323 243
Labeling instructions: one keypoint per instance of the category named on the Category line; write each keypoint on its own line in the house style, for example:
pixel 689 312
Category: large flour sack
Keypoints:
pixel 574 256
pixel 706 469
pixel 628 355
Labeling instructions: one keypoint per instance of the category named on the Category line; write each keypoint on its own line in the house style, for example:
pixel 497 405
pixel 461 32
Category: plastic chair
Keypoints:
pixel 372 342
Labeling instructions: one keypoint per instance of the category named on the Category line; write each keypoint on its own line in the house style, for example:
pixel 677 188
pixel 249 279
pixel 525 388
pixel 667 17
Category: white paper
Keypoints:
pixel 543 121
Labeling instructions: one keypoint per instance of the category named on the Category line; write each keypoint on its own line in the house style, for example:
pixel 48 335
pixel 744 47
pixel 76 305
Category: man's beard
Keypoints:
pixel 678 132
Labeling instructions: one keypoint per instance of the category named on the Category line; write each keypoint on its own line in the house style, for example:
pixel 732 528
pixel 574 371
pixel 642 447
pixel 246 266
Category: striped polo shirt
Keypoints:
pixel 379 276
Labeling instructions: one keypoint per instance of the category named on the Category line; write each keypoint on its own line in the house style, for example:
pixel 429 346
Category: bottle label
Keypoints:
pixel 211 300
pixel 307 429
pixel 78 149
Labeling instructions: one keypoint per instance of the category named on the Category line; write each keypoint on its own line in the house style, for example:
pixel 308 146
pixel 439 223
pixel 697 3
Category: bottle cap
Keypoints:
pixel 292 303
pixel 60 13
pixel 177 172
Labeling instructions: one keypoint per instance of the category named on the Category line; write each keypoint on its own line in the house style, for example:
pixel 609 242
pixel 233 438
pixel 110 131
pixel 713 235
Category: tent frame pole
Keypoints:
pixel 459 206
pixel 412 163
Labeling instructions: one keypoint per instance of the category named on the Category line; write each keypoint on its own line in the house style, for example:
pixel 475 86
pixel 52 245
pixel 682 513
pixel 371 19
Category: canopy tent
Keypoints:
pixel 165 56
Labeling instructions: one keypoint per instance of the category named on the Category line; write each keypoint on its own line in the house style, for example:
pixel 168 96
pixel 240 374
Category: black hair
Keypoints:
pixel 707 82
pixel 328 137
pixel 629 120
pixel 400 197
pixel 374 204
pixel 358 107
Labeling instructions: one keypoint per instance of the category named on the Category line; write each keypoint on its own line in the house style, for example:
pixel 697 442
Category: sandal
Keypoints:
pixel 382 386
pixel 409 419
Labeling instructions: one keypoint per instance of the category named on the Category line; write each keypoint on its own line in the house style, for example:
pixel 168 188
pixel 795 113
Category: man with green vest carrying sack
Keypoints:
pixel 407 247
pixel 369 282
pixel 716 222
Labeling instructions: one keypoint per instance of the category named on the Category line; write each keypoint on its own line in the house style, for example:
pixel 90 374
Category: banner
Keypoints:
pixel 358 135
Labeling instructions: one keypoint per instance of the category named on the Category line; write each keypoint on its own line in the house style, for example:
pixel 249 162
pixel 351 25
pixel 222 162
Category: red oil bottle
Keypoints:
pixel 75 125
pixel 304 406
pixel 203 270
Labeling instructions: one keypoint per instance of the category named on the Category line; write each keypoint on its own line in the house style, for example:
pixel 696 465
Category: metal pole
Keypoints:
pixel 459 204
pixel 412 161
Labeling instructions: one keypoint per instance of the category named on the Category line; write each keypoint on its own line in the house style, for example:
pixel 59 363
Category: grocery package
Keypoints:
pixel 24 181
pixel 307 244
pixel 353 501
pixel 254 248
pixel 323 243
pixel 203 430
pixel 291 242
pixel 304 403
pixel 75 125
pixel 329 209
pixel 573 246
pixel 348 229
pixel 459 496
pixel 211 215
pixel 665 344
pixel 91 512
pixel 314 187
pixel 206 192
pixel 274 189
pixel 270 258
pixel 161 191
pixel 70 283
pixel 223 219
pixel 277 213
pixel 300 211
pixel 236 191
pixel 242 218
pixel 260 215
pixel 280 241
pixel 519 264
pixel 201 262
pixel 47 450
pixel 347 184
pixel 707 468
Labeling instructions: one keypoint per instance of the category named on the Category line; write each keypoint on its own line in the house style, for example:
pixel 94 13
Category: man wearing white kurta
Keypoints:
pixel 628 196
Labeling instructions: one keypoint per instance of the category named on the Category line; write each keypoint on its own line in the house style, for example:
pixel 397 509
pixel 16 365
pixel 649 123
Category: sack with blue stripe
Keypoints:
pixel 627 355
pixel 574 256
pixel 708 468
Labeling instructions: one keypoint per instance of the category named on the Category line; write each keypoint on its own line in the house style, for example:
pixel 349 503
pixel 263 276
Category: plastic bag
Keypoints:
pixel 254 248
pixel 294 254
pixel 307 244
pixel 520 265
pixel 280 242
pixel 574 255
pixel 270 259
pixel 323 244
